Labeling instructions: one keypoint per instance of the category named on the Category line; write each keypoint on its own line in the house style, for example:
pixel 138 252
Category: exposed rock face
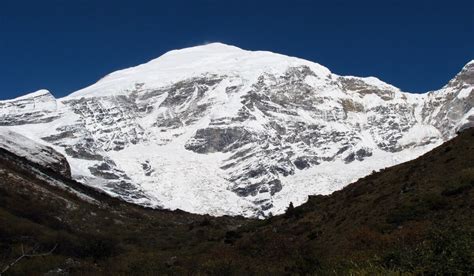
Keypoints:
pixel 218 139
pixel 451 108
pixel 219 130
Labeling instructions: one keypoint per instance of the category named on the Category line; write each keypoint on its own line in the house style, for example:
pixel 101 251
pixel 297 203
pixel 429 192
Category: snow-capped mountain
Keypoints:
pixel 224 131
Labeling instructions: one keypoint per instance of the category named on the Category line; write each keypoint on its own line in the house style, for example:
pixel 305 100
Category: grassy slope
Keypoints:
pixel 414 217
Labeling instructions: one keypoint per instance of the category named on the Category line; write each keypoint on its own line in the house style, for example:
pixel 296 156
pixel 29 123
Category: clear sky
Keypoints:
pixel 65 45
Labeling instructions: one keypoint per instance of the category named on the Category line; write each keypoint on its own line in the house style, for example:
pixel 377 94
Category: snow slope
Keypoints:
pixel 34 152
pixel 174 66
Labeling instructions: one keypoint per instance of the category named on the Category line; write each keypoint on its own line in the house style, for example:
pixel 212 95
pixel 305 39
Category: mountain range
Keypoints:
pixel 218 130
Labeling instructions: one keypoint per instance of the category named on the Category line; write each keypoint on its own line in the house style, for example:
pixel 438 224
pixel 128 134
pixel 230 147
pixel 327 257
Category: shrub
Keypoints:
pixel 417 209
pixel 99 248
pixel 444 251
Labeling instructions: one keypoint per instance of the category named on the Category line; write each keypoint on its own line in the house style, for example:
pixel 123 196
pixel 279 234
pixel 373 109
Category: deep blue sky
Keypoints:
pixel 65 45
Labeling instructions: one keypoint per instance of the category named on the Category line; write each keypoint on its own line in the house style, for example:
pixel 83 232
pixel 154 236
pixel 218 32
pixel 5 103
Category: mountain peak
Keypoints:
pixel 465 76
pixel 39 93
pixel 199 51
pixel 219 130
pixel 209 59
pixel 213 47
pixel 469 67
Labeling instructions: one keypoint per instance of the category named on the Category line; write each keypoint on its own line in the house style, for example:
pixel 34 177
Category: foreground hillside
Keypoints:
pixel 415 217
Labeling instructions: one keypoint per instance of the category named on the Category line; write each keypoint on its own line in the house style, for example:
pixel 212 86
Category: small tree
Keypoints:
pixel 290 211
pixel 27 254
pixel 290 208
